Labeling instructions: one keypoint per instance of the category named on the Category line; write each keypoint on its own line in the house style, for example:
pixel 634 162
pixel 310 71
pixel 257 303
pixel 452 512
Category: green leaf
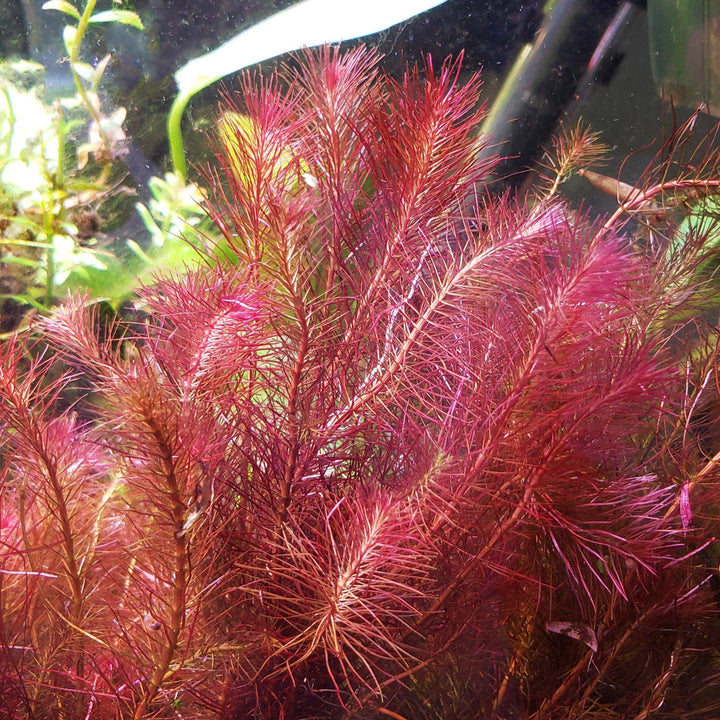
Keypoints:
pixel 27 300
pixel 703 220
pixel 31 225
pixel 100 71
pixel 63 6
pixel 152 227
pixel 85 71
pixel 25 262
pixel 125 17
pixel 114 283
pixel 69 34
pixel 139 252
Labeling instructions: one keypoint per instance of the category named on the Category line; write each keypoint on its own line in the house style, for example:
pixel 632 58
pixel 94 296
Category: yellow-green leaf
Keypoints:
pixel 63 6
pixel 125 17
pixel 69 35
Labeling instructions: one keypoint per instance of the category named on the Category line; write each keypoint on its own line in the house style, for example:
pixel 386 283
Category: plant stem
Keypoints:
pixel 642 197
pixel 80 86
pixel 176 620
pixel 292 411
pixel 48 226
pixel 174 132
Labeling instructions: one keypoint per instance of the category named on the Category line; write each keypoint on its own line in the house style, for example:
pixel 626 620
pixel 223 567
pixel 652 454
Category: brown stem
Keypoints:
pixel 642 198
pixel 707 468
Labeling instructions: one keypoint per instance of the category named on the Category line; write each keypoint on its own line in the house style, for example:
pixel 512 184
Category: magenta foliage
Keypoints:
pixel 356 467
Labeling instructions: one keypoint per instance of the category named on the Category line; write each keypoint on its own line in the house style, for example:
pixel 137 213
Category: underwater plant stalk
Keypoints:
pixel 49 262
pixel 74 56
pixel 50 218
pixel 174 131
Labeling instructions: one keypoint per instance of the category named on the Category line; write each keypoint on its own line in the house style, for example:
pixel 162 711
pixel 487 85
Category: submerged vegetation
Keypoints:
pixel 64 187
pixel 403 450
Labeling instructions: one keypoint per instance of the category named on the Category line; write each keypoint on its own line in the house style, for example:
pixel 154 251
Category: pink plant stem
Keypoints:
pixel 180 574
pixel 73 572
pixel 657 694
pixel 705 470
pixel 411 341
pixel 610 658
pixel 74 577
pixel 635 202
pixel 482 553
pixel 292 411
pixel 571 677
pixel 390 714
pixel 410 671
pixel 519 510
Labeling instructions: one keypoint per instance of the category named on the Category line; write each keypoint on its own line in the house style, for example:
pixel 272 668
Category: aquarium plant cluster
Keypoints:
pixel 405 449
pixel 65 179
pixel 64 187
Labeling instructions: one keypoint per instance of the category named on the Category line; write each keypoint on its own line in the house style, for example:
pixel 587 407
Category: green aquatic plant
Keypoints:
pixel 62 186
pixel 400 453
pixel 52 184
pixel 106 137
pixel 47 211
pixel 176 220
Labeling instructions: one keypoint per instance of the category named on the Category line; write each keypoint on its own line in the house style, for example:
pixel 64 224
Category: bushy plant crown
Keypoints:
pixel 411 451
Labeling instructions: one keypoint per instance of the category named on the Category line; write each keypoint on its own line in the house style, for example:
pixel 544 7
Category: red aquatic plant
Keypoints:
pixel 405 451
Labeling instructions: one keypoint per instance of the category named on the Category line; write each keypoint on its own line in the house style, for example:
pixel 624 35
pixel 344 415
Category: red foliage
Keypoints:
pixel 356 470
